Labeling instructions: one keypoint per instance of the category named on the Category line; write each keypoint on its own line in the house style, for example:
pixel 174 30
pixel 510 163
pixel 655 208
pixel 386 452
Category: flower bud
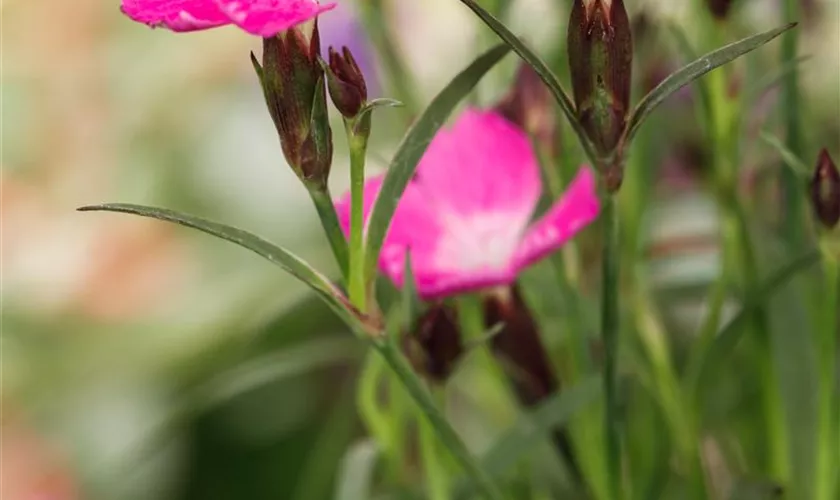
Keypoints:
pixel 293 83
pixel 600 49
pixel 720 8
pixel 435 346
pixel 346 82
pixel 529 105
pixel 825 191
pixel 521 353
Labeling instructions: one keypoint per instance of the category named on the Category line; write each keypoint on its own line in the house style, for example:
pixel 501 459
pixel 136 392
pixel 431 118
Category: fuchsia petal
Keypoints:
pixel 177 15
pixel 483 163
pixel 464 216
pixel 266 18
pixel 578 207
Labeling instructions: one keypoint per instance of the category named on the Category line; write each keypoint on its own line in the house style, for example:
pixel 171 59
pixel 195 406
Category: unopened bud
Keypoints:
pixel 435 346
pixel 529 104
pixel 346 83
pixel 518 346
pixel 600 48
pixel 720 8
pixel 825 191
pixel 293 83
pixel 525 360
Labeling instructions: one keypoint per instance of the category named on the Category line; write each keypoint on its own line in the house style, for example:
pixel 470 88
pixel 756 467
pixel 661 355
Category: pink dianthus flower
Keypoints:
pixel 264 18
pixel 465 218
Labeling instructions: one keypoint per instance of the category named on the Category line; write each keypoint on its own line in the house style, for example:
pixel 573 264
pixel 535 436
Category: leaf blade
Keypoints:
pixel 541 68
pixel 274 254
pixel 731 334
pixel 413 146
pixel 692 71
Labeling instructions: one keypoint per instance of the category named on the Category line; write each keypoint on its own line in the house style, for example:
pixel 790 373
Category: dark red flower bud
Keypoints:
pixel 825 191
pixel 293 83
pixel 521 353
pixel 720 8
pixel 600 47
pixel 346 83
pixel 530 105
pixel 435 346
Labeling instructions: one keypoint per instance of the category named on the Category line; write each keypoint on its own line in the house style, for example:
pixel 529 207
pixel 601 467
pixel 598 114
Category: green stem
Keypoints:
pixel 433 465
pixel 445 433
pixel 329 220
pixel 357 138
pixel 609 330
pixel 792 208
pixel 828 426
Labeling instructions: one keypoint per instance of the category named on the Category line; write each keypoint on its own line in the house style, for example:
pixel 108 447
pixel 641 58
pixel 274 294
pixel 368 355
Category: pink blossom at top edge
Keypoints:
pixel 266 18
pixel 176 15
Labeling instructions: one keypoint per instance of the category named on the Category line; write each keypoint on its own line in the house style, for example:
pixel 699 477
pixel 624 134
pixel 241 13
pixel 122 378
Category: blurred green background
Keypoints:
pixel 143 361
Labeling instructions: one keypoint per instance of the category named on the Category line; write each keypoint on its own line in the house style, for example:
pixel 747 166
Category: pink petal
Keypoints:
pixel 483 163
pixel 177 15
pixel 578 207
pixel 266 18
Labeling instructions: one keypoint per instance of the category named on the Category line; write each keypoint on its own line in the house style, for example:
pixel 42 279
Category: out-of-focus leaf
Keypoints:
pixel 535 426
pixel 790 159
pixel 691 72
pixel 356 473
pixel 731 334
pixel 413 147
pixel 274 254
pixel 542 69
pixel 289 362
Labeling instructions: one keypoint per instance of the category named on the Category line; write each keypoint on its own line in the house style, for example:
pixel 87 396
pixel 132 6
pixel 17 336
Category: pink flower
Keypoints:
pixel 264 18
pixel 465 217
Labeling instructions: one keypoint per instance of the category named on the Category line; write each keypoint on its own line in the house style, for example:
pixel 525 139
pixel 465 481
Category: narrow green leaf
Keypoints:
pixel 282 364
pixel 355 477
pixel 413 146
pixel 410 298
pixel 533 427
pixel 274 254
pixel 732 332
pixel 542 69
pixel 791 160
pixel 691 72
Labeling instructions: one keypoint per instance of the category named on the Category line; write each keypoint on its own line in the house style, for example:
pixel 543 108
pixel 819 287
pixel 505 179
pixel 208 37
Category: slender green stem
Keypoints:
pixel 792 208
pixel 445 433
pixel 357 138
pixel 828 426
pixel 609 331
pixel 433 466
pixel 329 221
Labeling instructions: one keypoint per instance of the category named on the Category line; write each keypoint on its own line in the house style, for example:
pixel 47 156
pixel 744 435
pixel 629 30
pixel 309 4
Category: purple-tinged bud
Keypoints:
pixel 519 347
pixel 530 105
pixel 435 346
pixel 720 8
pixel 521 353
pixel 295 92
pixel 600 47
pixel 825 191
pixel 346 82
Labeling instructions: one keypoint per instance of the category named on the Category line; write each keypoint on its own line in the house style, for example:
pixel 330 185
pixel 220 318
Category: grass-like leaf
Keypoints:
pixel 535 426
pixel 732 332
pixel 355 477
pixel 542 69
pixel 413 146
pixel 274 254
pixel 691 72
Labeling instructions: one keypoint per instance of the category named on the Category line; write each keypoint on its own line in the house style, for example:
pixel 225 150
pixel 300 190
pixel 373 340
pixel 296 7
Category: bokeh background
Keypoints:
pixel 143 361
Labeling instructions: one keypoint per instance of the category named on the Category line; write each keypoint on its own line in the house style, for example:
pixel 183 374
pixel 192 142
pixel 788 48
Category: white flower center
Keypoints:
pixel 483 241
